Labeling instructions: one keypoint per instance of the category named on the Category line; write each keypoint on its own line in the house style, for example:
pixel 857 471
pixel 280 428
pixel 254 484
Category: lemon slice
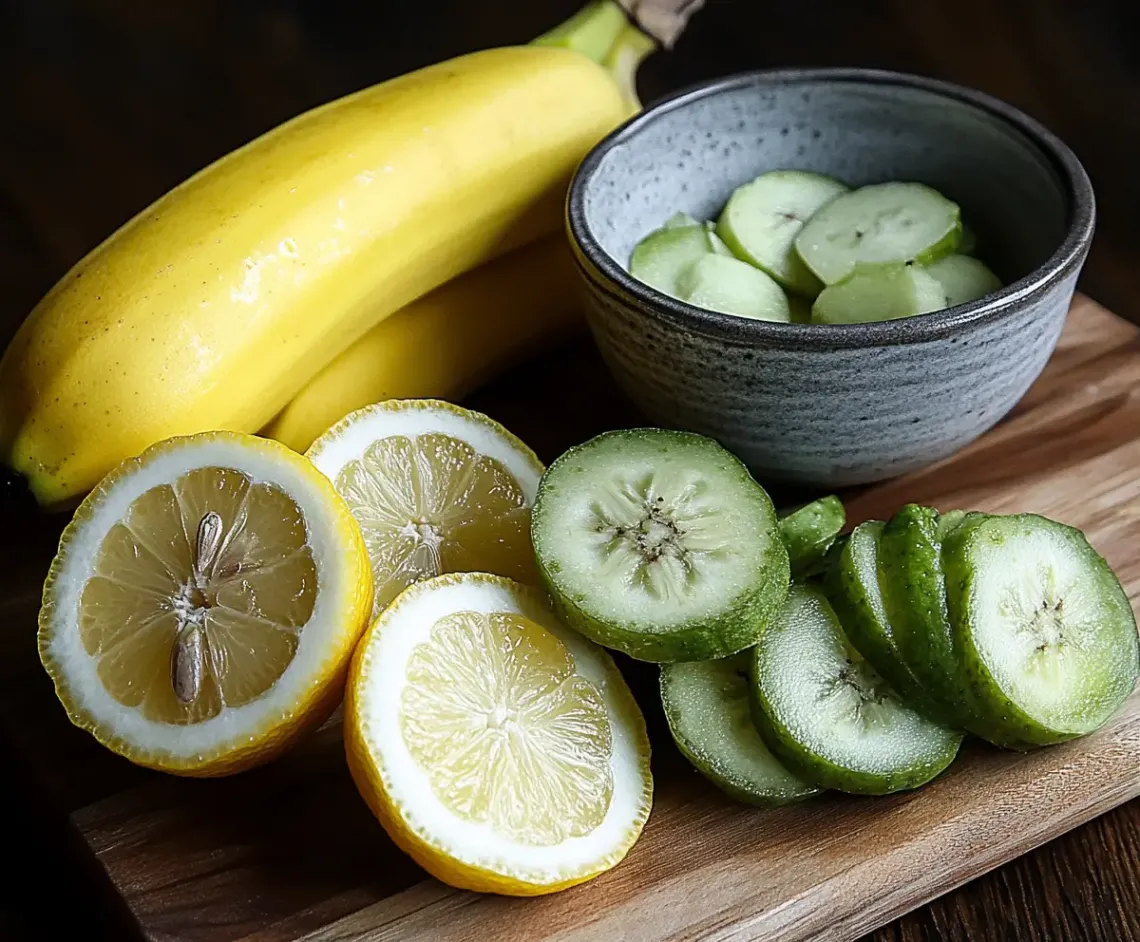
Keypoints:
pixel 204 604
pixel 436 489
pixel 502 751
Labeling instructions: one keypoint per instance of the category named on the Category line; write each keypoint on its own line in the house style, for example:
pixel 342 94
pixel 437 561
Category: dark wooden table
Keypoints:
pixel 108 104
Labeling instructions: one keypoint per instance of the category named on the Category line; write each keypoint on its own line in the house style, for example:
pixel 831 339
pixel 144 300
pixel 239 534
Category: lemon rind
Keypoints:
pixel 352 435
pixel 395 789
pixel 309 688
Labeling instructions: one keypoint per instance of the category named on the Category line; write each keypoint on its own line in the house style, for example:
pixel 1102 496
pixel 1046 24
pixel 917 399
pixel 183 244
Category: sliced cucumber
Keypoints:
pixel 950 520
pixel 914 599
pixel 851 583
pixel 706 704
pixel 680 221
pixel 762 218
pixel 726 284
pixel 887 222
pixel 659 544
pixel 809 531
pixel 800 309
pixel 829 716
pixel 661 256
pixel 963 279
pixel 879 293
pixel 1046 634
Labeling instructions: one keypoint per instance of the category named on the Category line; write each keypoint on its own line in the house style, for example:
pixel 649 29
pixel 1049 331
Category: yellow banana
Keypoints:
pixel 446 343
pixel 213 307
pixel 462 334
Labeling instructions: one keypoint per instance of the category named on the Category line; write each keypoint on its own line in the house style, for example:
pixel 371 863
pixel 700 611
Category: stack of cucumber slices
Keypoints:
pixel 794 659
pixel 799 246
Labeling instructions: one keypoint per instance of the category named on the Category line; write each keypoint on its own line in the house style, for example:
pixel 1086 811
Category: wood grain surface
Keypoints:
pixel 290 851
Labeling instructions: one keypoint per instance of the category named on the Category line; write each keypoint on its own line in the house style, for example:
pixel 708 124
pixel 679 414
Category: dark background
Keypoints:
pixel 108 103
pixel 105 104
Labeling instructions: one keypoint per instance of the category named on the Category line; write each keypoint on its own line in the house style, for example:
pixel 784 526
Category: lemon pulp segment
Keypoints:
pixel 198 595
pixel 506 731
pixel 429 504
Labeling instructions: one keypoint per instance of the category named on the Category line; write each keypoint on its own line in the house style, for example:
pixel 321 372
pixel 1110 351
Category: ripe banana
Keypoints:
pixel 213 307
pixel 446 343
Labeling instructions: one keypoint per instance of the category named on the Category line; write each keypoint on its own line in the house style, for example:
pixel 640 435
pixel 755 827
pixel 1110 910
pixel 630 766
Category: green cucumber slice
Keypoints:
pixel 829 716
pixel 950 520
pixel 706 704
pixel 886 222
pixel 879 293
pixel 914 599
pixel 726 284
pixel 680 221
pixel 963 279
pixel 762 218
pixel 800 309
pixel 1045 631
pixel 851 583
pixel 659 544
pixel 809 531
pixel 662 255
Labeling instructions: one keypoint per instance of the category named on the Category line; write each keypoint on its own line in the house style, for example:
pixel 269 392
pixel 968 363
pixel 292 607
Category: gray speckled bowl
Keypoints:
pixel 846 404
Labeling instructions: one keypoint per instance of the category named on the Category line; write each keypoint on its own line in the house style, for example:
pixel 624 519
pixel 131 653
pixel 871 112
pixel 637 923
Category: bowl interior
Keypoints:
pixel 690 155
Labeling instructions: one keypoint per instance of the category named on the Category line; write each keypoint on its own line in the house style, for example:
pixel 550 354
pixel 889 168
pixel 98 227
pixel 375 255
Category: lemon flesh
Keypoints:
pixel 204 603
pixel 501 750
pixel 151 607
pixel 435 489
pixel 494 714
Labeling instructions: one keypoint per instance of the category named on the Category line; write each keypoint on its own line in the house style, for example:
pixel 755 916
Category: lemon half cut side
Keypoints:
pixel 204 604
pixel 503 752
pixel 436 489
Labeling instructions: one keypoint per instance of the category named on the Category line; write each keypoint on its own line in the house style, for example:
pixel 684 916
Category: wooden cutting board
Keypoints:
pixel 290 851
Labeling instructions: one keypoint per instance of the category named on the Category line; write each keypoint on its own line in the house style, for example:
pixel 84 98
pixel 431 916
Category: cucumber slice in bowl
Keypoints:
pixel 726 284
pixel 963 279
pixel 659 544
pixel 680 221
pixel 809 531
pixel 879 293
pixel 762 218
pixel 1046 633
pixel 829 716
pixel 707 707
pixel 851 583
pixel 886 222
pixel 661 256
pixel 800 309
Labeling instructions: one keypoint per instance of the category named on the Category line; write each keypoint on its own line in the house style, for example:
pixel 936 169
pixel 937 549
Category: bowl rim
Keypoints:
pixel 920 328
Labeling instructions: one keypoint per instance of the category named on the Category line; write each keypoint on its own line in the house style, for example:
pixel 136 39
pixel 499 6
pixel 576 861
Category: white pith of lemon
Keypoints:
pixel 273 607
pixel 502 751
pixel 435 488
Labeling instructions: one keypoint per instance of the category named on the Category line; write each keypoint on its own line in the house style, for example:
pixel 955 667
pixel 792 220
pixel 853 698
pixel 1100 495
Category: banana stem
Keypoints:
pixel 592 31
pixel 629 50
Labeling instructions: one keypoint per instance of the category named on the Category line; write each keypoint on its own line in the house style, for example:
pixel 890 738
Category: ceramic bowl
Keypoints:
pixel 844 404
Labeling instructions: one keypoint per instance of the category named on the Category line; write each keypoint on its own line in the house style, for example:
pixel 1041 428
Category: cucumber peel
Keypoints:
pixel 828 716
pixel 707 707
pixel 659 544
pixel 1045 633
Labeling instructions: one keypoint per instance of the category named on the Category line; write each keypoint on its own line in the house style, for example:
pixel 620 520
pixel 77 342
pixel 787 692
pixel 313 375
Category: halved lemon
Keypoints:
pixel 436 489
pixel 204 603
pixel 501 750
